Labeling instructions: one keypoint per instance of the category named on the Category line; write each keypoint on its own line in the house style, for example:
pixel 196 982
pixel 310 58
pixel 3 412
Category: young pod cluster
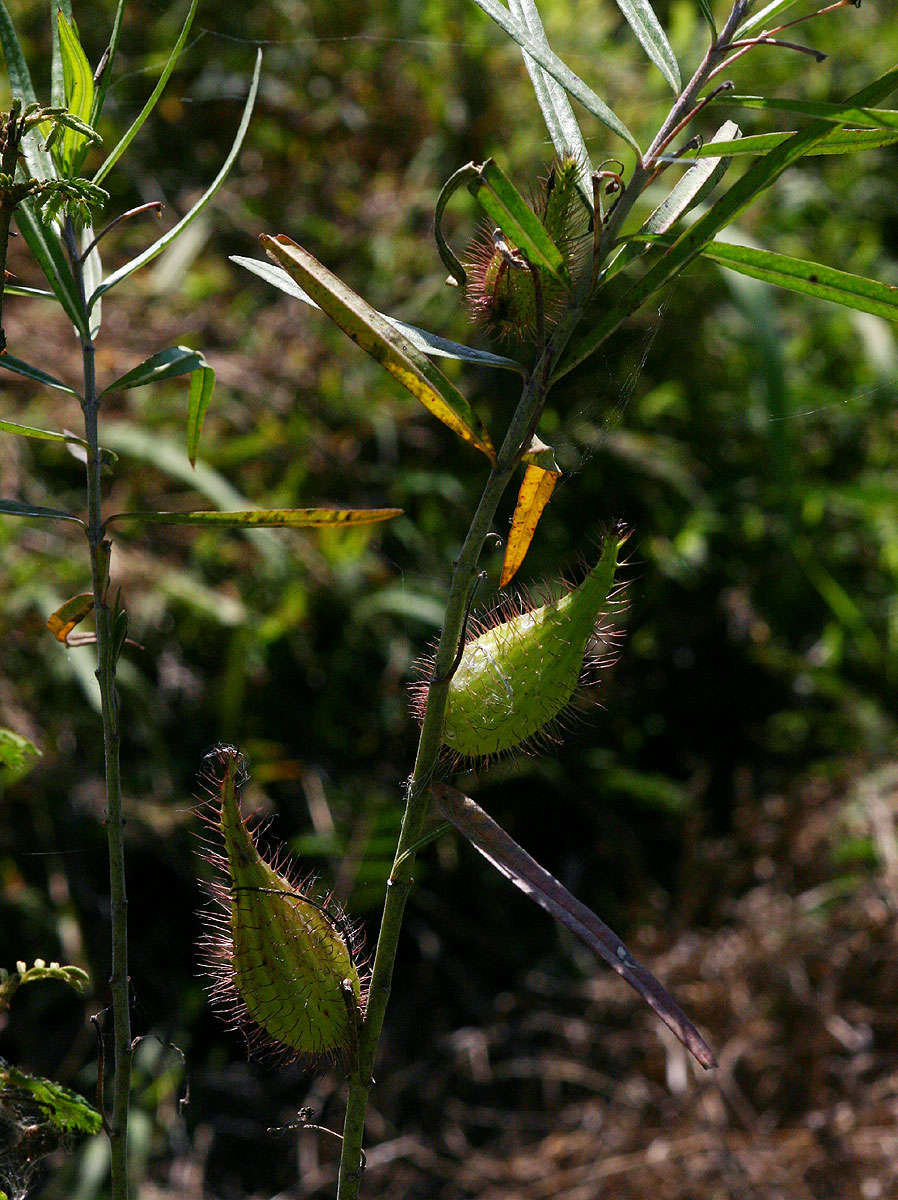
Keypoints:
pixel 282 963
pixel 521 669
pixel 504 293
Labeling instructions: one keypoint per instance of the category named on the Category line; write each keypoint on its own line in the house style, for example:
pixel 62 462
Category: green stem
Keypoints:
pixel 99 565
pixel 418 794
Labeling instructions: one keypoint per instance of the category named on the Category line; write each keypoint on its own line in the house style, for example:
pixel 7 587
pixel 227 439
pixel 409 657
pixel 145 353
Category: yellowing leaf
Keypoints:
pixel 72 613
pixel 536 489
pixel 368 329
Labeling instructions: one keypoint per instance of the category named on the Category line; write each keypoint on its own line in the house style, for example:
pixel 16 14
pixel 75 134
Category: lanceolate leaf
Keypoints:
pixel 535 492
pixel 202 385
pixel 14 508
pixel 425 341
pixel 38 160
pixel 510 860
pixel 553 65
pixel 379 339
pixel 79 92
pixel 167 238
pixel 44 245
pixel 22 368
pixel 642 20
pixel 765 18
pixel 552 100
pixel 165 364
pixel 134 129
pixel 840 141
pixel 273 518
pixel 809 278
pixel 46 435
pixel 874 118
pixel 502 202
pixel 759 176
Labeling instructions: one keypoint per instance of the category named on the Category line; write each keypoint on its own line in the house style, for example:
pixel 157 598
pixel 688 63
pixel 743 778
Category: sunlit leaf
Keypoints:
pixel 22 368
pixel 381 340
pixel 422 339
pixel 840 141
pixel 510 860
pixel 15 508
pixel 68 615
pixel 501 201
pixel 167 238
pixel 132 131
pixel 765 18
pixel 165 364
pixel 759 176
pixel 17 756
pixel 202 385
pixel 534 494
pixel 79 92
pixel 885 118
pixel 558 115
pixel 809 278
pixel 559 71
pixel 642 20
pixel 46 435
pixel 272 518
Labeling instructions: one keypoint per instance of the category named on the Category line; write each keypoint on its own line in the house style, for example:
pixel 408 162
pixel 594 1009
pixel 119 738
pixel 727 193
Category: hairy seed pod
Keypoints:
pixel 282 962
pixel 501 291
pixel 517 675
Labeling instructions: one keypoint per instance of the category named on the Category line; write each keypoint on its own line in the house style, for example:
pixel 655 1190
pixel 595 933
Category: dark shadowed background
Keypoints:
pixel 729 803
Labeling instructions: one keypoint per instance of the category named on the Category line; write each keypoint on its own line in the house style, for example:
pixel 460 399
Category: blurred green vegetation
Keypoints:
pixel 747 435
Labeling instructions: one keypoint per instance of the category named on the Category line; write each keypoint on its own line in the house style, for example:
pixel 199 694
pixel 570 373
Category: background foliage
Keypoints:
pixel 730 807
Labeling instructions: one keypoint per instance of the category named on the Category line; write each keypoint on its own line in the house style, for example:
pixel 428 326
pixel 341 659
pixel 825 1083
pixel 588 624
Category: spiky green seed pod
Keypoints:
pixel 518 674
pixel 282 962
pixel 501 290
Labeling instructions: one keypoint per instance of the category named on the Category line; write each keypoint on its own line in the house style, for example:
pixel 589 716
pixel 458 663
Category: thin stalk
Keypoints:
pixel 99 568
pixel 417 799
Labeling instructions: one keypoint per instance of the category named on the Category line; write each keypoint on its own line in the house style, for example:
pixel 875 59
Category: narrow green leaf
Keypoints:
pixel 14 508
pixel 135 127
pixel 504 854
pixel 22 368
pixel 766 18
pixel 39 162
pixel 109 56
pixel 642 20
pixel 759 176
pixel 809 278
pixel 44 435
pixel 447 191
pixel 167 238
pixel 79 92
pixel 558 115
pixel 57 75
pixel 44 245
pixel 165 364
pixel 559 71
pixel 422 339
pixel 705 9
pixel 501 201
pixel 876 118
pixel 840 141
pixel 202 385
pixel 379 339
pixel 272 518
pixel 14 289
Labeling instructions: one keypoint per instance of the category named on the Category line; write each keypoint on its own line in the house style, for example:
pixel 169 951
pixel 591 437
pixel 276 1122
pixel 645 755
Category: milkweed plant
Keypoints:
pixel 547 280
